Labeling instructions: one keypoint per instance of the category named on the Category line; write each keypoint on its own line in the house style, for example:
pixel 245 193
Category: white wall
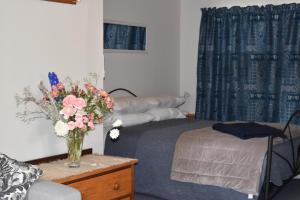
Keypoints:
pixel 37 37
pixel 189 36
pixel 157 71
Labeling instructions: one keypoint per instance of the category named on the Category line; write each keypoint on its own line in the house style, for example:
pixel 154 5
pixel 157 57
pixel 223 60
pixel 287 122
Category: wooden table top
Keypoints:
pixel 59 171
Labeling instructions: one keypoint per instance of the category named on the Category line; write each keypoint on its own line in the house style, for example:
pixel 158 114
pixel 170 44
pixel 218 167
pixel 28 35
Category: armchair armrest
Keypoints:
pixel 48 190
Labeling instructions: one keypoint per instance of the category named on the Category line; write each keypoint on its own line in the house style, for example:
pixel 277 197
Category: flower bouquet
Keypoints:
pixel 74 111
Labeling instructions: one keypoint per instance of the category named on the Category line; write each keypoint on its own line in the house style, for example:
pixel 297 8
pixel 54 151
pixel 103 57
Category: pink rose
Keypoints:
pixel 91 125
pixel 69 100
pixel 71 125
pixel 80 103
pixel 85 119
pixel 68 111
pixel 79 124
pixel 91 116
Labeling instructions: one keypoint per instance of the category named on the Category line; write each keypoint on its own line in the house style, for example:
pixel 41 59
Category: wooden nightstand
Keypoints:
pixel 98 178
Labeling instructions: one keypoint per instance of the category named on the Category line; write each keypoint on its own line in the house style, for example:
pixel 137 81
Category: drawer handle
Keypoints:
pixel 116 186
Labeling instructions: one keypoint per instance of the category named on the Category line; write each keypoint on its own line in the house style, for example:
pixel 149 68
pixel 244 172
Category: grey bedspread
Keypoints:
pixel 153 145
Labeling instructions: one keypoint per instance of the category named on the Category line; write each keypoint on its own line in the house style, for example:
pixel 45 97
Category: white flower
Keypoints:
pixel 61 128
pixel 117 123
pixel 114 133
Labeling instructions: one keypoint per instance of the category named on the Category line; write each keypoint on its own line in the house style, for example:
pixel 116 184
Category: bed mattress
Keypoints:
pixel 153 144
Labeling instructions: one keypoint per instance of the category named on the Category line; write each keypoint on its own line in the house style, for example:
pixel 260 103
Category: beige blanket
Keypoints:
pixel 205 156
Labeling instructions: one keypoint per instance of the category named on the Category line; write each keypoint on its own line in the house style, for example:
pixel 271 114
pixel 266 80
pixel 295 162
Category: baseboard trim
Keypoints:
pixel 56 157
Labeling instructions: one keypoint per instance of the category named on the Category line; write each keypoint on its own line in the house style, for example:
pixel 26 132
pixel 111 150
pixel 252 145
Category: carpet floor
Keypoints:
pixel 290 192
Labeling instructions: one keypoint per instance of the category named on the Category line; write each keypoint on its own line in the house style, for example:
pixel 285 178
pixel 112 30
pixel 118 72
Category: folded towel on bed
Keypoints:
pixel 248 130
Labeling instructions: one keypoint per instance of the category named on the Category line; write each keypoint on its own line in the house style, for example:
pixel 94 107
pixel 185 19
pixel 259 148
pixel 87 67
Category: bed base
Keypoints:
pixel 269 191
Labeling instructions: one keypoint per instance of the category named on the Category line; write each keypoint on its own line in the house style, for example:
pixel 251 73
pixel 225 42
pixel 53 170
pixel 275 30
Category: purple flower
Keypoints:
pixel 53 78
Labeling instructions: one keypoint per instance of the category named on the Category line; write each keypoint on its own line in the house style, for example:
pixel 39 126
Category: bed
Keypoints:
pixel 153 144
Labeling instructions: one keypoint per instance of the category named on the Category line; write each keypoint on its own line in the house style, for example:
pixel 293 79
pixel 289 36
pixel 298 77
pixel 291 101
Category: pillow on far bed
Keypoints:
pixel 169 101
pixel 165 113
pixel 132 119
pixel 143 104
pixel 133 104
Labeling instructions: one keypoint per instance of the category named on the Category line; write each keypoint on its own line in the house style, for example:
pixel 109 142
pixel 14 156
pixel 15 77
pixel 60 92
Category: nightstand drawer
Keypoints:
pixel 110 186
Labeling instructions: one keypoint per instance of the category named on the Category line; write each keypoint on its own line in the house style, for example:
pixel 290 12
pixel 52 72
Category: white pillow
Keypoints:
pixel 169 101
pixel 143 104
pixel 134 104
pixel 131 119
pixel 165 113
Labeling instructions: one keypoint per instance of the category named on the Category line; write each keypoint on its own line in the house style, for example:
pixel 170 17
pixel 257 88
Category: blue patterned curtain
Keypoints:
pixel 248 63
pixel 117 36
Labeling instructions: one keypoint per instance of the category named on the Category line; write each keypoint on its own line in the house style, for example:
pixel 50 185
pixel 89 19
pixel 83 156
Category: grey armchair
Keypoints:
pixel 47 190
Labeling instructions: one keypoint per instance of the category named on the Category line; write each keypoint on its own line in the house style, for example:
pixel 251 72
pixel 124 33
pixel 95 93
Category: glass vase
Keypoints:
pixel 74 142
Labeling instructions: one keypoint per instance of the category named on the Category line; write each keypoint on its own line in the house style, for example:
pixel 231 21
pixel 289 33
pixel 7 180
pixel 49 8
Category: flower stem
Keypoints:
pixel 75 142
